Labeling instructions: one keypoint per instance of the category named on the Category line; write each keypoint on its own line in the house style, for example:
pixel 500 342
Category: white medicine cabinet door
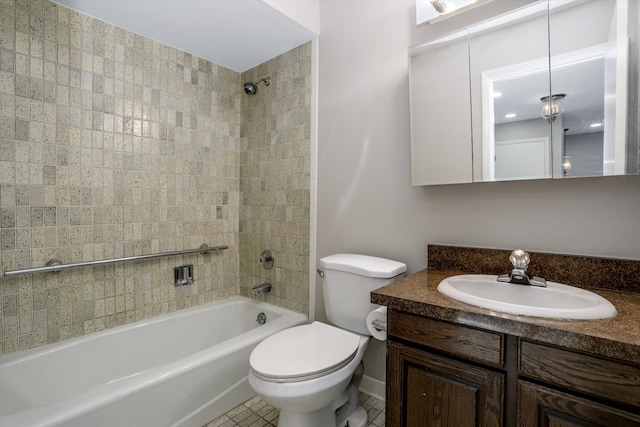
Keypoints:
pixel 440 113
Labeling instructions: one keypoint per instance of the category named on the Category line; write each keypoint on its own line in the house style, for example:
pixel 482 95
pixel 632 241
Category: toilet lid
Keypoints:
pixel 303 352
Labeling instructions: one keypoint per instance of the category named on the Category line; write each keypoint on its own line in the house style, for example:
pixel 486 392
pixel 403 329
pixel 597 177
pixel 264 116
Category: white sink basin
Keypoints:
pixel 556 301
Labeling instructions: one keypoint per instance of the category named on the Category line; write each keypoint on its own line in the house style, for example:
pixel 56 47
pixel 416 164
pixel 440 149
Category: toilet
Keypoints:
pixel 311 373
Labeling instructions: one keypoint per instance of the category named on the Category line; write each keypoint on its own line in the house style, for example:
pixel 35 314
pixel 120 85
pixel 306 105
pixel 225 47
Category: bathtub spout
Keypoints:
pixel 261 289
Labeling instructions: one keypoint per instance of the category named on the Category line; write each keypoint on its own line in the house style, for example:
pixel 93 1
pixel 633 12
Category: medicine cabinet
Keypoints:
pixel 545 91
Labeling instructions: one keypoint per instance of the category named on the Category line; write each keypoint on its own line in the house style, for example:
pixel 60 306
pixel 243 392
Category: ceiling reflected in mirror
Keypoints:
pixel 581 83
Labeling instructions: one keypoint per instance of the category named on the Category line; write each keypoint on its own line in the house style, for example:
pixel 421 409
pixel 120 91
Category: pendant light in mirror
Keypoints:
pixel 552 107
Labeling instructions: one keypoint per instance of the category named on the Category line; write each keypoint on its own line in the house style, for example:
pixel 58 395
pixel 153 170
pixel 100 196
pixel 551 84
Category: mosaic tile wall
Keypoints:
pixel 275 179
pixel 111 145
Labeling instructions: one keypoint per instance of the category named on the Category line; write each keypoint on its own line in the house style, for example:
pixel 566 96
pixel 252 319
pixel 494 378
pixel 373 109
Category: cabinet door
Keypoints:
pixel 424 389
pixel 440 112
pixel 540 406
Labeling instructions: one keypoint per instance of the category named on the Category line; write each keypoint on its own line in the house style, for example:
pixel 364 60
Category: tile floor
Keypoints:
pixel 257 413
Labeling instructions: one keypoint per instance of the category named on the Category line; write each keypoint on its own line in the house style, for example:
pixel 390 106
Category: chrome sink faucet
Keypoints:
pixel 520 260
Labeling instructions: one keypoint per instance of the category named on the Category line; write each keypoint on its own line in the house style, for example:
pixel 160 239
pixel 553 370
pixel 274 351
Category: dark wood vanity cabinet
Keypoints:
pixel 444 374
pixel 426 386
pixel 562 388
pixel 437 391
pixel 543 406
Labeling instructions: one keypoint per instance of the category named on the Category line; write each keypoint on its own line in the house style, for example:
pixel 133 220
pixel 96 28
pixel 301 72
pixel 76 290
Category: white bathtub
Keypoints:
pixel 181 369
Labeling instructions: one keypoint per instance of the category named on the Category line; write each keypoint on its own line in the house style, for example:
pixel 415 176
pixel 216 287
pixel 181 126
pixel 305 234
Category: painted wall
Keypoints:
pixel 585 152
pixel 366 203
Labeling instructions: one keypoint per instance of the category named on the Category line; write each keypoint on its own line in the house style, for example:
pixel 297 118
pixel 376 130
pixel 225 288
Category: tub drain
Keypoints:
pixel 262 318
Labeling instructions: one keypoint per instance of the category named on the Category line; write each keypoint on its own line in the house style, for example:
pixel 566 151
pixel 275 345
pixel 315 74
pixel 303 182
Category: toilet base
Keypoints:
pixel 355 414
pixel 357 419
pixel 322 418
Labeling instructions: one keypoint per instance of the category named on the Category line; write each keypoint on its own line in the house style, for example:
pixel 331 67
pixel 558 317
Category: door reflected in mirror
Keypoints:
pixel 511 139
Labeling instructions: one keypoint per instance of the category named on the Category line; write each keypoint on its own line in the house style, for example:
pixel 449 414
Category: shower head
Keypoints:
pixel 251 88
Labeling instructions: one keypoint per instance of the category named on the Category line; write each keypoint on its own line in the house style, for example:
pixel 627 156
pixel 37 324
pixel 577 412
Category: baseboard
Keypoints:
pixel 373 387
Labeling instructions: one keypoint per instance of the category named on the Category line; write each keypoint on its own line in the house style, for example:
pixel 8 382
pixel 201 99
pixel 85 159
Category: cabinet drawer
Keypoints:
pixel 543 406
pixel 598 377
pixel 470 343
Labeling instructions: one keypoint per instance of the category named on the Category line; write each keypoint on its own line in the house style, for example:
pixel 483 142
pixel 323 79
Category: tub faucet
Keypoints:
pixel 261 289
pixel 520 260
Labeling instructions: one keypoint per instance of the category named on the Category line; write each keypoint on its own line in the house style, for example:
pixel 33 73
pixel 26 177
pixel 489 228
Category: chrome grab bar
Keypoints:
pixel 57 265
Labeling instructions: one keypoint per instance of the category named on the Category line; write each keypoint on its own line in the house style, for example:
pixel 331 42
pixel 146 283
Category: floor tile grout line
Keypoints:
pixel 257 413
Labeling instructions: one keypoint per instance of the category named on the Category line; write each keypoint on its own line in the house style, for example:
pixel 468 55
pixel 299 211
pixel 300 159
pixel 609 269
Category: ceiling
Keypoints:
pixel 237 34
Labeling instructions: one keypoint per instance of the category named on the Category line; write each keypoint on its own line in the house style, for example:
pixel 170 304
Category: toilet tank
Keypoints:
pixel 348 282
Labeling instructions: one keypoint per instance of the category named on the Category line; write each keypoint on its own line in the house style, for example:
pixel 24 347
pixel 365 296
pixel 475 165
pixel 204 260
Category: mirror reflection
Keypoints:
pixel 566 120
pixel 511 139
pixel 591 64
pixel 554 89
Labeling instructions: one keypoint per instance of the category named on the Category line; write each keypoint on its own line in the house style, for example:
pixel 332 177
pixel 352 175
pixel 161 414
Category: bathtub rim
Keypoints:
pixel 7 359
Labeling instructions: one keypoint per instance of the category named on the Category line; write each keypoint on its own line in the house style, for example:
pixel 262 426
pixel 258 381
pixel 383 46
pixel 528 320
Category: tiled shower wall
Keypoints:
pixel 275 179
pixel 111 145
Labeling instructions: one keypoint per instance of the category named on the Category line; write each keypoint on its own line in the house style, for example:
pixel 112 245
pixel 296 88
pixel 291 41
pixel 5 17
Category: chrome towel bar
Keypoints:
pixel 57 265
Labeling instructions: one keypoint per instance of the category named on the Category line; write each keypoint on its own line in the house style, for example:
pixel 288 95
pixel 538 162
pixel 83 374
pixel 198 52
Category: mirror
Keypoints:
pixel 592 65
pixel 511 140
pixel 553 92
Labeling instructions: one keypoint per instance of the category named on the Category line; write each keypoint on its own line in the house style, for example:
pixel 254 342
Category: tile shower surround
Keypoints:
pixel 275 179
pixel 114 145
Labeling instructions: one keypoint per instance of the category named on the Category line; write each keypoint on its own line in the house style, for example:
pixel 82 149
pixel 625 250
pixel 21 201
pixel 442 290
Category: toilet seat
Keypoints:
pixel 303 352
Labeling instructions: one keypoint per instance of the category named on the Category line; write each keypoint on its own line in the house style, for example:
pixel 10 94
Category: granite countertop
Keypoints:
pixel 617 337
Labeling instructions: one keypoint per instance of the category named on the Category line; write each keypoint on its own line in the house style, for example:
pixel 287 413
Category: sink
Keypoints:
pixel 556 301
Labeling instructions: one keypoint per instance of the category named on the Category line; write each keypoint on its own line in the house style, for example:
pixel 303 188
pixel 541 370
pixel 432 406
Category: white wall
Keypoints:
pixel 585 151
pixel 523 129
pixel 305 13
pixel 366 203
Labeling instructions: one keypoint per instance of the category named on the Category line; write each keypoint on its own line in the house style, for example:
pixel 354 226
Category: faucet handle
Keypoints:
pixel 520 259
pixel 266 259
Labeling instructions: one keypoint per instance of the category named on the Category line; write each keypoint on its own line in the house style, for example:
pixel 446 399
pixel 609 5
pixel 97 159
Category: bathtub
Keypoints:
pixel 181 369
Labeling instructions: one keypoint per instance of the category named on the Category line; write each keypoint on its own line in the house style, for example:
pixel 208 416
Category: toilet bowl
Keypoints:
pixel 312 372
